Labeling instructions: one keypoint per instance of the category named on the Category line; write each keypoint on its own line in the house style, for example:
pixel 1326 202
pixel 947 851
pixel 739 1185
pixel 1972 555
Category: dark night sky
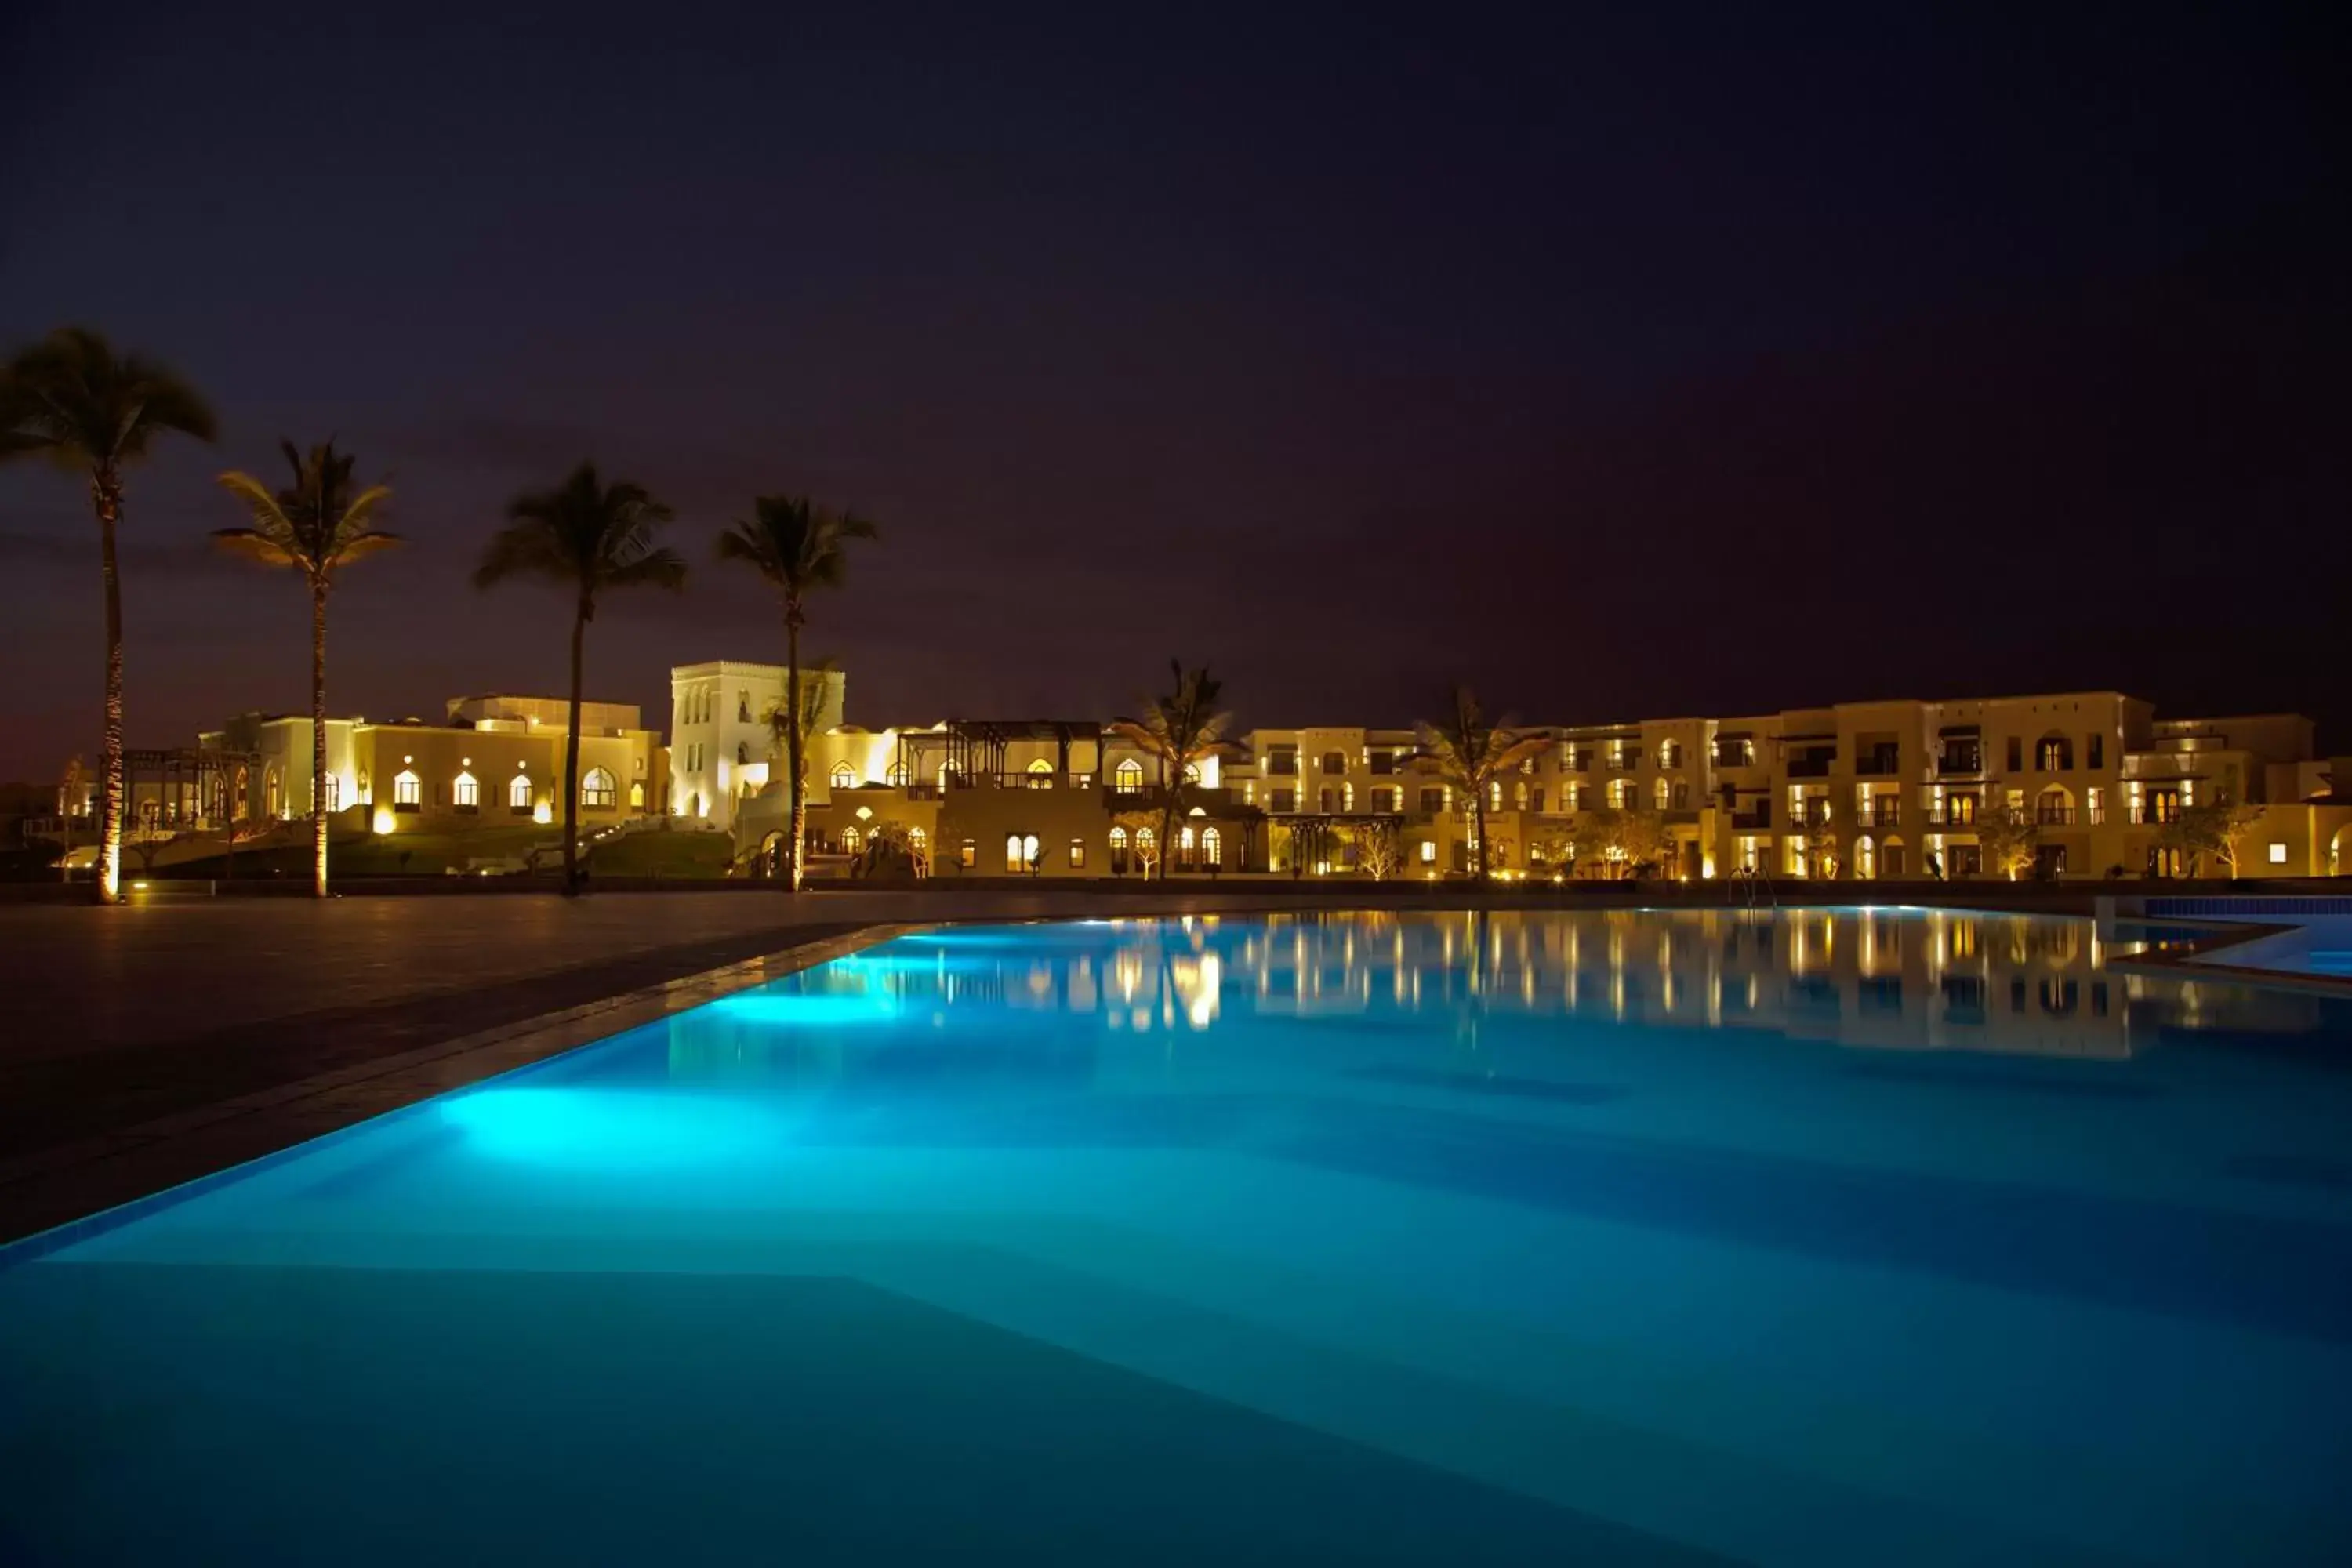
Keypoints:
pixel 1653 360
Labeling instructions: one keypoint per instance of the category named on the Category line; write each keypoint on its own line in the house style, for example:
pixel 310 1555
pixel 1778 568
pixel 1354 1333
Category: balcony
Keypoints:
pixel 1749 821
pixel 1882 763
pixel 2053 816
pixel 1883 814
pixel 1809 767
pixel 1963 764
pixel 1814 814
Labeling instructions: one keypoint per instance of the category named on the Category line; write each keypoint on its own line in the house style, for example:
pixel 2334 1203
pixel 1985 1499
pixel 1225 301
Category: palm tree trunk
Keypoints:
pixel 319 819
pixel 1168 804
pixel 106 494
pixel 572 763
pixel 795 762
pixel 1478 832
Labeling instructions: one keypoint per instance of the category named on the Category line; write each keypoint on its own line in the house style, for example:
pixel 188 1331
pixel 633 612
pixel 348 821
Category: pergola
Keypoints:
pixel 187 787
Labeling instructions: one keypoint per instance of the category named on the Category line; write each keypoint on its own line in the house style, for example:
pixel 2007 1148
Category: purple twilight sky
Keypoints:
pixel 1643 360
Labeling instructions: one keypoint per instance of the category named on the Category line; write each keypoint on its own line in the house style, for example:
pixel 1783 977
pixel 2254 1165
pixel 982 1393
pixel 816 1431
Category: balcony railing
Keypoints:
pixel 1878 764
pixel 1961 763
pixel 1809 767
pixel 2054 815
pixel 1813 815
pixel 1746 820
pixel 1883 814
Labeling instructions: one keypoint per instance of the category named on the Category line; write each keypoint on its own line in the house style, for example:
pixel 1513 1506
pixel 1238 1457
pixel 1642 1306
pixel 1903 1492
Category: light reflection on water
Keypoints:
pixel 1893 979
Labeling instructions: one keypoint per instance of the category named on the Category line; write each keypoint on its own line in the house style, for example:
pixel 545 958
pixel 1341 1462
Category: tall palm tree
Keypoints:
pixel 1179 731
pixel 799 547
pixel 316 526
pixel 592 538
pixel 787 719
pixel 72 399
pixel 1473 753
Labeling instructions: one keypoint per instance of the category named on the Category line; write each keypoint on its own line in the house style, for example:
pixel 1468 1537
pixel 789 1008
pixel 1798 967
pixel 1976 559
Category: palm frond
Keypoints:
pixel 256 545
pixel 71 396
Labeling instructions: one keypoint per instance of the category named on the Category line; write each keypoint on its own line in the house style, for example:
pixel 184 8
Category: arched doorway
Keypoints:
pixel 1893 865
pixel 1866 858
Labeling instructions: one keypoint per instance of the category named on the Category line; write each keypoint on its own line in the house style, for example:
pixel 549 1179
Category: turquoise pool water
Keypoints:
pixel 1857 1236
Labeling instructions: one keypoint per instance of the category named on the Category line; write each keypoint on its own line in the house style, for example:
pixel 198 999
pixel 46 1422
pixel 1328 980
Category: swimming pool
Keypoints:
pixel 1845 1237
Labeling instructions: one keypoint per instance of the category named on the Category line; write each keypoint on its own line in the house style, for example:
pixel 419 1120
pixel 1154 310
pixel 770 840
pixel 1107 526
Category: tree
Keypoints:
pixel 316 526
pixel 592 538
pixel 1143 841
pixel 1619 840
pixel 1822 848
pixel 1471 754
pixel 72 399
pixel 1557 849
pixel 799 547
pixel 2218 827
pixel 1379 847
pixel 2008 837
pixel 1179 731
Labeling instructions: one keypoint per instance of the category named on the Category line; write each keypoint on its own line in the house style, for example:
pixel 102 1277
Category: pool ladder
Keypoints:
pixel 1754 881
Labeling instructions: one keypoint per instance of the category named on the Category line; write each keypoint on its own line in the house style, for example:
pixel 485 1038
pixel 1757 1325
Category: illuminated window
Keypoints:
pixel 1428 851
pixel 1118 850
pixel 598 790
pixel 852 840
pixel 334 793
pixel 464 794
pixel 1664 795
pixel 1020 851
pixel 1213 848
pixel 1495 794
pixel 1348 795
pixel 899 775
pixel 1670 754
pixel 1127 775
pixel 918 844
pixel 1191 772
pixel 1185 847
pixel 519 793
pixel 1077 854
pixel 2278 854
pixel 1620 793
pixel 1041 774
pixel 844 776
pixel 638 795
pixel 1575 796
pixel 407 791
pixel 968 855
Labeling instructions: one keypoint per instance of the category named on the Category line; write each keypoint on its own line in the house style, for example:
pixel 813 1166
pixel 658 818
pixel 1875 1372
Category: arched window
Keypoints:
pixel 1041 774
pixel 1129 774
pixel 852 840
pixel 844 776
pixel 408 791
pixel 1118 851
pixel 742 707
pixel 1020 851
pixel 1191 772
pixel 1866 858
pixel 900 777
pixel 270 792
pixel 1670 754
pixel 1495 794
pixel 464 794
pixel 2054 754
pixel 519 793
pixel 1519 796
pixel 1664 793
pixel 334 792
pixel 1620 793
pixel 919 848
pixel 637 795
pixel 1186 847
pixel 1213 848
pixel 597 790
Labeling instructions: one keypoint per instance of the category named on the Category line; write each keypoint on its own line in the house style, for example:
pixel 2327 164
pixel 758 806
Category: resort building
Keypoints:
pixel 1869 791
pixel 491 759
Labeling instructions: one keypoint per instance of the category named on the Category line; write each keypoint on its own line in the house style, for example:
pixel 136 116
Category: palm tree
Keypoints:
pixel 1473 753
pixel 799 547
pixel 1180 729
pixel 72 399
pixel 787 719
pixel 592 538
pixel 316 525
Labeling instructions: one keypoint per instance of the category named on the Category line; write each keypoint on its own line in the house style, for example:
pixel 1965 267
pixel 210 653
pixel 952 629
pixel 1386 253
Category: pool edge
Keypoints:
pixel 62 1196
